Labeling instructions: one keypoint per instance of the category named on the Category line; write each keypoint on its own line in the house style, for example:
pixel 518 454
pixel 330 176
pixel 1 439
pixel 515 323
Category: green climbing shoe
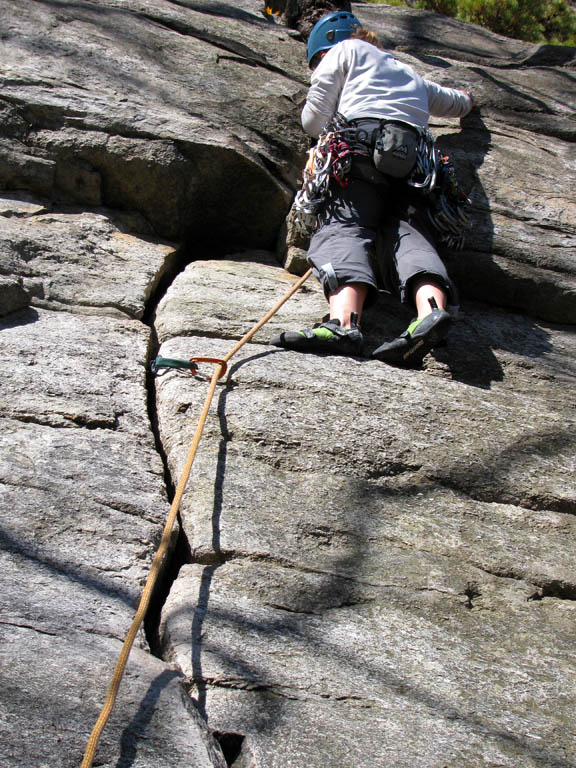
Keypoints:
pixel 327 337
pixel 410 348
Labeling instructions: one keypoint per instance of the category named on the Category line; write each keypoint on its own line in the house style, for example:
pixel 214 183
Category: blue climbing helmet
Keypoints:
pixel 329 30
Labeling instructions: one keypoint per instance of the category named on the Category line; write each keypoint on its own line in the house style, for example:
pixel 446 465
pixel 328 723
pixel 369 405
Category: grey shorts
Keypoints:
pixel 362 239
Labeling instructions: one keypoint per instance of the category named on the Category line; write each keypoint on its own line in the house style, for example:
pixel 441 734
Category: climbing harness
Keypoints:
pixel 433 176
pixel 157 562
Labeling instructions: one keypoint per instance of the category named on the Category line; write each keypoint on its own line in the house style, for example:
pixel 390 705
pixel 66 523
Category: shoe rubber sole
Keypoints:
pixel 410 350
pixel 338 345
pixel 429 339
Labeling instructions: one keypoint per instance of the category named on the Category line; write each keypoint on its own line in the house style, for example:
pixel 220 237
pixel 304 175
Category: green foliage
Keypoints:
pixel 514 18
pixel 538 21
pixel 446 7
pixel 560 23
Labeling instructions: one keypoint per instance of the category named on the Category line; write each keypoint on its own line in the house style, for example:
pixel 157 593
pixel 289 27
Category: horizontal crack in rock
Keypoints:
pixel 239 51
pixel 292 693
pixel 32 628
pixel 68 422
pixel 534 503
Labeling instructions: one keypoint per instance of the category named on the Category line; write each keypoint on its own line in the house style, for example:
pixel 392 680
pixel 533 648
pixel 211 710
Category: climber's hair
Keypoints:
pixel 360 33
pixel 368 35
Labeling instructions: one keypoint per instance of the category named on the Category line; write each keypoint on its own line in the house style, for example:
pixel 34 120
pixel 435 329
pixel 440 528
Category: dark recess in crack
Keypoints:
pixel 471 592
pixel 556 589
pixel 175 264
pixel 177 558
pixel 230 744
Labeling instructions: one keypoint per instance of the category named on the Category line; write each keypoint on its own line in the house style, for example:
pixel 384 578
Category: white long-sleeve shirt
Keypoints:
pixel 357 79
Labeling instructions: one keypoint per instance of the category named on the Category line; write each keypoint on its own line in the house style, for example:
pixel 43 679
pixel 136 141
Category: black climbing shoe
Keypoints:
pixel 325 337
pixel 410 348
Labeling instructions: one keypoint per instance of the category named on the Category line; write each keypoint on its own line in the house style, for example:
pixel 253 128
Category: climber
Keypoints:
pixel 385 106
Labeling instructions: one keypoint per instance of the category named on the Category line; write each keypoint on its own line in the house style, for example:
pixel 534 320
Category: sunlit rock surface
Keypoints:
pixel 373 567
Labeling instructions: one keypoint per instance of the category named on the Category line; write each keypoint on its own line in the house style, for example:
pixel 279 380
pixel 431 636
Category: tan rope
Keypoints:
pixel 166 535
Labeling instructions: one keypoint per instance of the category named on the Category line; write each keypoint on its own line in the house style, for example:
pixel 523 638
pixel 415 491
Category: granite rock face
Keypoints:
pixel 378 556
pixel 373 567
pixel 154 107
pixel 83 501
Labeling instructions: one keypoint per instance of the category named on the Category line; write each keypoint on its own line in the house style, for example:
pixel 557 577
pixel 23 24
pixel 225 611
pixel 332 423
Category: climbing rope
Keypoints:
pixel 155 568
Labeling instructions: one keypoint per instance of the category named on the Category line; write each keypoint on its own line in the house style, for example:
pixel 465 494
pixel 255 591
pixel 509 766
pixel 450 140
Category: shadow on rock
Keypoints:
pixel 19 318
pixel 491 478
pixel 28 550
pixel 479 330
pixel 265 711
pixel 137 728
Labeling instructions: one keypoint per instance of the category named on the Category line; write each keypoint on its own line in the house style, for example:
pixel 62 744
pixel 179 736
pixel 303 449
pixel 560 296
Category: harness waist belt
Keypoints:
pixel 368 128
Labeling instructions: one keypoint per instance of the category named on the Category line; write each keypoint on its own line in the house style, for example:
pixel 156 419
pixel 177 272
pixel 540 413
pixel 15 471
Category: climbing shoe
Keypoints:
pixel 410 348
pixel 327 337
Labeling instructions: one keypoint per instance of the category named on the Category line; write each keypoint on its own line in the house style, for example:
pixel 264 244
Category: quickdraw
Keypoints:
pixel 425 171
pixel 447 205
pixel 188 365
pixel 330 158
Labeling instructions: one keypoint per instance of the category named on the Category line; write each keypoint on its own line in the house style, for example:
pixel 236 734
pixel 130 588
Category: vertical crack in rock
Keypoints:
pixel 180 551
pixel 176 558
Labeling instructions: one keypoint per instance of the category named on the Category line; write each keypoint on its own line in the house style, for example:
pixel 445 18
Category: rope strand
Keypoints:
pixel 157 562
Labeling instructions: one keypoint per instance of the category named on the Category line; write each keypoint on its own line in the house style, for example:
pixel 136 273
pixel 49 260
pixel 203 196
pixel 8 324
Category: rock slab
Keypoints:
pixel 375 567
pixel 378 555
